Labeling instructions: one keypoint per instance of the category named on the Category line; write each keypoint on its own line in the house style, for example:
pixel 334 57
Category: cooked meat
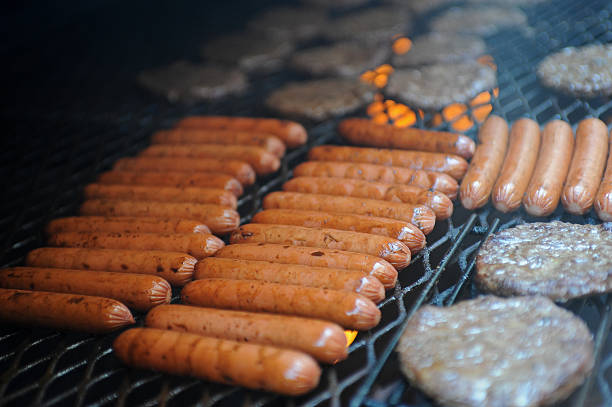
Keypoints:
pixel 441 47
pixel 372 24
pixel 291 23
pixel 480 20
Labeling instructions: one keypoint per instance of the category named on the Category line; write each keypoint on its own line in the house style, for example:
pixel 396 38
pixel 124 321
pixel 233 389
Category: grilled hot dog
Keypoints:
pixel 603 200
pixel 125 224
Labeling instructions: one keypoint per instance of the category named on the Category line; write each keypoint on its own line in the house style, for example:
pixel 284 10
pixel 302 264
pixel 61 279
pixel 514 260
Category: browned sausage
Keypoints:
pixel 296 274
pixel 380 173
pixel 587 166
pixel 438 202
pixel 365 132
pixel 603 200
pixel 291 133
pixel 309 256
pixel 173 179
pixel 419 215
pixel 268 142
pixel 450 164
pixel 349 310
pixel 405 232
pixel 199 245
pixel 138 291
pixel 544 190
pixel 485 165
pixel 240 170
pixel 162 194
pixel 392 250
pixel 125 224
pixel 63 311
pixel 262 161
pixel 218 218
pixel 519 163
pixel 176 268
pixel 323 340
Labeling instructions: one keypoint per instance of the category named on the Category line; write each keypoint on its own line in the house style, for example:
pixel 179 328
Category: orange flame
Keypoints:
pixel 350 337
pixel 401 45
pixel 379 76
pixel 389 111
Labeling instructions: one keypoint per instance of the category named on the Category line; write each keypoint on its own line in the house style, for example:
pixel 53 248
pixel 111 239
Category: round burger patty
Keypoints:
pixel 559 260
pixel 582 71
pixel 479 20
pixel 435 86
pixel 441 47
pixel 373 25
pixel 291 23
pixel 490 351
pixel 320 99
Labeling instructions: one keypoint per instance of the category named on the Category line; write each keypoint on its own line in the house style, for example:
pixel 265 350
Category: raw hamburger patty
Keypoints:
pixel 480 20
pixel 249 51
pixel 372 25
pixel 438 85
pixel 559 260
pixel 441 47
pixel 186 82
pixel 582 71
pixel 341 59
pixel 522 351
pixel 320 99
pixel 291 23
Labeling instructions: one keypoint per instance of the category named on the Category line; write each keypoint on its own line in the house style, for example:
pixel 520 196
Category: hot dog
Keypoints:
pixel 291 133
pixel 72 312
pixel 295 274
pixel 309 256
pixel 485 165
pixel 173 179
pixel 162 194
pixel 176 268
pixel 450 164
pixel 380 173
pixel 405 232
pixel 138 291
pixel 262 161
pixel 419 215
pixel 125 224
pixel 438 202
pixel 219 219
pixel 268 142
pixel 544 190
pixel 199 245
pixel 586 167
pixel 240 170
pixel 392 250
pixel 603 200
pixel 365 132
pixel 323 340
pixel 518 166
pixel 349 310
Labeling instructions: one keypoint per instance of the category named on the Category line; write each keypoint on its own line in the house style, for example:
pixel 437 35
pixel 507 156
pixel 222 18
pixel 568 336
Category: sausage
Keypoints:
pixel 176 268
pixel 450 164
pixel 586 167
pixel 365 132
pixel 309 256
pixel 268 142
pixel 218 218
pixel 392 250
pixel 138 291
pixel 262 161
pixel 405 232
pixel 199 245
pixel 544 190
pixel 72 312
pixel 518 166
pixel 350 310
pixel 323 340
pixel 125 224
pixel 419 215
pixel 173 179
pixel 438 202
pixel 240 170
pixel 478 182
pixel 380 173
pixel 603 200
pixel 296 274
pixel 291 133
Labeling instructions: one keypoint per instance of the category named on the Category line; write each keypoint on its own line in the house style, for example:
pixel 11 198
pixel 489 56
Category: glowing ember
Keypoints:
pixel 379 76
pixel 488 61
pixel 350 337
pixel 401 45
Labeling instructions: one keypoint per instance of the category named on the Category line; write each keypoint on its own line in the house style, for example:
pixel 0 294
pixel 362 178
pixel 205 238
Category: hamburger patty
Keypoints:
pixel 441 47
pixel 480 20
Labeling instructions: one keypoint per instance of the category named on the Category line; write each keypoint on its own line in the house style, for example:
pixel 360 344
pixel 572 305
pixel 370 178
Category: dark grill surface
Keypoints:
pixel 72 111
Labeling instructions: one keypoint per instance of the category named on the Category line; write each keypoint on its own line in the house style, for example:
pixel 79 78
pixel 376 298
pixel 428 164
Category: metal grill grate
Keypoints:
pixel 53 154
